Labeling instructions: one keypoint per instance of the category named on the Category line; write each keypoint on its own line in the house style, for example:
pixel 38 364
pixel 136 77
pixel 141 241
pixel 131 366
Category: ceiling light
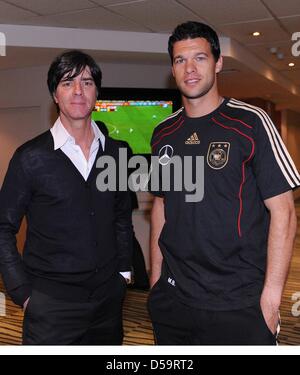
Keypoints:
pixel 291 64
pixel 256 33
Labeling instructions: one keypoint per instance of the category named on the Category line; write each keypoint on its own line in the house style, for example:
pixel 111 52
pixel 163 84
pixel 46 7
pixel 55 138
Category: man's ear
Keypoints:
pixel 219 64
pixel 54 98
pixel 173 73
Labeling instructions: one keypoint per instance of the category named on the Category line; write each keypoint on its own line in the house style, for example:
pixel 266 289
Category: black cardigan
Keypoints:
pixel 76 235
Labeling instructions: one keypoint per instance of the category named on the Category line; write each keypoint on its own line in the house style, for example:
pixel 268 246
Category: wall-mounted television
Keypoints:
pixel 131 114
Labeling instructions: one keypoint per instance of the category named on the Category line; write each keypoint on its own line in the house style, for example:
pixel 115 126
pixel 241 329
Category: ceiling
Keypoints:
pixel 277 20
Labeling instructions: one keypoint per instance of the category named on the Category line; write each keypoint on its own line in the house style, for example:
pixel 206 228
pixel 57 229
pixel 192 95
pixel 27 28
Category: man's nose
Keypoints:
pixel 77 88
pixel 190 66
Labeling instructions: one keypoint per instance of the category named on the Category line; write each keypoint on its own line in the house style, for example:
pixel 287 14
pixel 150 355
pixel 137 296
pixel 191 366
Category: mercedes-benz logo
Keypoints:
pixel 165 154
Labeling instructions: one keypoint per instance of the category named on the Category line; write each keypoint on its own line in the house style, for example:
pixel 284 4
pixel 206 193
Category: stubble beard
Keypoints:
pixel 202 92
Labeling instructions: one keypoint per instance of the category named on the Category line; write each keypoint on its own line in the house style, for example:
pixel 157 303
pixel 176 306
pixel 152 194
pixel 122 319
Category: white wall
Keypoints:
pixel 16 125
pixel 141 223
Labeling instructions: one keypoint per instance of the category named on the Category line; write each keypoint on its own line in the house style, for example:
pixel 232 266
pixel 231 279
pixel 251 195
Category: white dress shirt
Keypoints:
pixel 64 141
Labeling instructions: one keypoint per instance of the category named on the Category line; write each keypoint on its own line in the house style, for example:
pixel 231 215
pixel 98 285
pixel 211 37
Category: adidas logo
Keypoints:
pixel 193 140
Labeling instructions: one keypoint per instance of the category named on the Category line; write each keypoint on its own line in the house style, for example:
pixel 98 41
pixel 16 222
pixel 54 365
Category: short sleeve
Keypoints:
pixel 273 166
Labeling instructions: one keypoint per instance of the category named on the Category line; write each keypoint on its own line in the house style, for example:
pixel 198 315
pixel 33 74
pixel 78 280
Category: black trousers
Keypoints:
pixel 177 324
pixel 96 321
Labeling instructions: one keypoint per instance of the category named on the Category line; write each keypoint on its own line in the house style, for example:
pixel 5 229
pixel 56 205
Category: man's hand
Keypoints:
pixel 127 276
pixel 270 311
pixel 153 280
pixel 283 226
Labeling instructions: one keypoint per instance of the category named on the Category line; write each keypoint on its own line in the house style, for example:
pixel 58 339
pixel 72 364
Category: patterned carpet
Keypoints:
pixel 137 325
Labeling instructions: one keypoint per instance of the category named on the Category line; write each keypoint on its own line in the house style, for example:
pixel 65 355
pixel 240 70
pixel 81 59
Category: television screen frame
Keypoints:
pixel 143 94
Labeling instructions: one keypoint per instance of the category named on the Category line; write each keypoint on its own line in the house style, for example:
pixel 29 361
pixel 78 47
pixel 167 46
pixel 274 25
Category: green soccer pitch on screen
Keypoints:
pixel 132 121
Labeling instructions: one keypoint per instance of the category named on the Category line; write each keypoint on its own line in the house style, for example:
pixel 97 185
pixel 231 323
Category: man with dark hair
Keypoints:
pixel 219 264
pixel 78 239
pixel 192 30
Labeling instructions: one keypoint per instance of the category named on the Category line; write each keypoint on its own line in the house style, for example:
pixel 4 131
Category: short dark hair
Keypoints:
pixel 192 30
pixel 72 63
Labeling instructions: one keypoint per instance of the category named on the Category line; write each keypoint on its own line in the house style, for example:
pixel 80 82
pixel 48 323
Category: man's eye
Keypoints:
pixel 88 83
pixel 200 58
pixel 66 83
pixel 178 61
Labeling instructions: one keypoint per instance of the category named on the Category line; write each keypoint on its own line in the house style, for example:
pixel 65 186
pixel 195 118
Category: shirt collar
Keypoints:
pixel 99 136
pixel 61 136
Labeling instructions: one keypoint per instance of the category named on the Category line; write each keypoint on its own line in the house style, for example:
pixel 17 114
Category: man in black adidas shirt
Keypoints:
pixel 219 264
pixel 71 277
